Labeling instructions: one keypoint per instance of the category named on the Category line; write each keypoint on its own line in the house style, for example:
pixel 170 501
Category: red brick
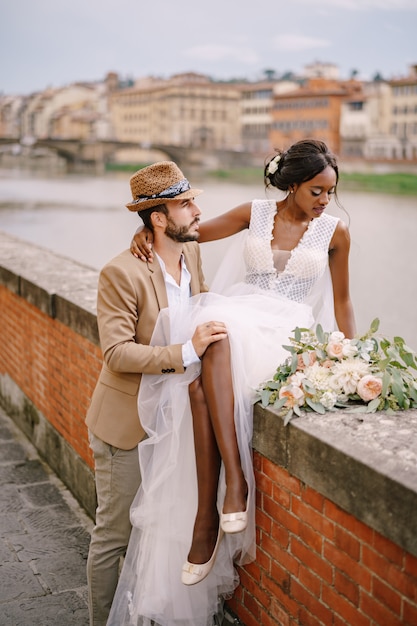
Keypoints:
pixel 387 548
pixel 347 565
pixel 377 612
pixel 342 607
pixel 282 496
pixel 309 580
pixel 307 619
pixel 346 587
pixel 253 570
pixel 386 595
pixel 313 518
pixel 264 484
pixel 311 560
pixel 281 477
pixel 279 614
pixel 252 605
pixel 310 602
pixel 263 522
pixel 263 559
pixel 347 542
pixel 347 521
pixel 280 535
pixel 410 565
pixel 311 538
pixel 284 557
pixel 279 514
pixel 409 614
pixel 281 576
pixel 313 498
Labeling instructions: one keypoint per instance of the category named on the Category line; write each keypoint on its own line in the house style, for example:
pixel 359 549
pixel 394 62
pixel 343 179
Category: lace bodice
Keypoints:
pixel 307 261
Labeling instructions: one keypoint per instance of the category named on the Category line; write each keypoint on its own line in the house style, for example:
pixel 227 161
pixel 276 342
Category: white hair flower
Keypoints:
pixel 273 164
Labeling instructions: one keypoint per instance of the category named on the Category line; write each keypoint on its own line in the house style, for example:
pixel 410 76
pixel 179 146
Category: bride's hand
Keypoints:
pixel 141 245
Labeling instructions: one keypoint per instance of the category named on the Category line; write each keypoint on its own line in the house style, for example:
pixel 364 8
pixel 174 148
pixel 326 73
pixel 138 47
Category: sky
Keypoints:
pixel 52 43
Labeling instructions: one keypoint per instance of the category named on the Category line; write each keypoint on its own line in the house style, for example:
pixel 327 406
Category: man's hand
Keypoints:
pixel 141 245
pixel 208 333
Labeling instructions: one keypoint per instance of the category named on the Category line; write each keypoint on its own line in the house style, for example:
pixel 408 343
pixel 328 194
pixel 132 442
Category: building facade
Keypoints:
pixel 187 110
pixel 312 110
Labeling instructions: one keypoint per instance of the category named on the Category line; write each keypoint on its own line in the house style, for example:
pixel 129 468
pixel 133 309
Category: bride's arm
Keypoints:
pixel 224 225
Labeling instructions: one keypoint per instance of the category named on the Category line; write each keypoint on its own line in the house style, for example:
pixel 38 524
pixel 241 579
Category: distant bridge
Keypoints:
pixel 100 152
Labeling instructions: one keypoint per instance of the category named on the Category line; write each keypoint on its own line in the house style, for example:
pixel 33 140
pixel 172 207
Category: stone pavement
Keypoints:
pixel 44 539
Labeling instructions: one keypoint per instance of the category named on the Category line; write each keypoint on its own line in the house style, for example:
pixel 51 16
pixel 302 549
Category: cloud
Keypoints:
pixel 216 52
pixel 298 43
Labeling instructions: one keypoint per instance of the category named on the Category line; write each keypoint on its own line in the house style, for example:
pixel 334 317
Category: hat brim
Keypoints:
pixel 141 205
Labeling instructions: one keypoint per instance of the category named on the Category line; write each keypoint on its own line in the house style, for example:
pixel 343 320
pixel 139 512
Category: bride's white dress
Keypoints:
pixel 260 314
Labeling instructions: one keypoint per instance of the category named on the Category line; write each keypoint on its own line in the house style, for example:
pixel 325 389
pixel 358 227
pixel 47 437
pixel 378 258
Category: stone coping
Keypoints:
pixel 366 464
pixel 60 287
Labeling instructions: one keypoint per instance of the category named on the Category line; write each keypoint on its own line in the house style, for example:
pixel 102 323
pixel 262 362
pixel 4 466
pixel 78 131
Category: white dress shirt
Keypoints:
pixel 177 294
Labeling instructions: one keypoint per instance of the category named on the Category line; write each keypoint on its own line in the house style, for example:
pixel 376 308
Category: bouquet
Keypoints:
pixel 328 372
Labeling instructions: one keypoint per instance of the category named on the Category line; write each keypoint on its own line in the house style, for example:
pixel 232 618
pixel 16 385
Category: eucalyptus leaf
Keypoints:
pixel 297 410
pixel 265 395
pixel 288 417
pixel 386 381
pixel 306 358
pixel 316 406
pixel 320 334
pixel 373 405
pixel 374 325
pixel 279 403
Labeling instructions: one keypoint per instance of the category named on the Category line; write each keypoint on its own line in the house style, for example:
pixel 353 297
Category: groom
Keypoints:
pixel 130 296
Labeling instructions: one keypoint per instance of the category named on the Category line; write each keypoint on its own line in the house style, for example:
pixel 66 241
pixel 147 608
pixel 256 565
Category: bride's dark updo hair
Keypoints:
pixel 301 162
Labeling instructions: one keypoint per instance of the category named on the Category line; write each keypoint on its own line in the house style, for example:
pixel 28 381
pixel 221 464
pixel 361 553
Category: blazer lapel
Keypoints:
pixel 158 282
pixel 190 263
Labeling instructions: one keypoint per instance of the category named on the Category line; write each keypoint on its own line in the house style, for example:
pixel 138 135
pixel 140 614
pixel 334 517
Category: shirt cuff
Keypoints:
pixel 189 355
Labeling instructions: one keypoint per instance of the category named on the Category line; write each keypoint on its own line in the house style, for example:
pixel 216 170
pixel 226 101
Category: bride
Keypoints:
pixel 193 517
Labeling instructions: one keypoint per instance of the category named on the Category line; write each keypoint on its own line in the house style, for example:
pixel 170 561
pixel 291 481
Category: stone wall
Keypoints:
pixel 336 494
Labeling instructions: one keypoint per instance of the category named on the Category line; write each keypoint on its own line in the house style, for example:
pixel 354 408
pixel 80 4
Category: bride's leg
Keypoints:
pixel 216 375
pixel 208 469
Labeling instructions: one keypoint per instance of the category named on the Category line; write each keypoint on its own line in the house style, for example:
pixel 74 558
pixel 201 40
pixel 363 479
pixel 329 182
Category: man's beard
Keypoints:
pixel 180 233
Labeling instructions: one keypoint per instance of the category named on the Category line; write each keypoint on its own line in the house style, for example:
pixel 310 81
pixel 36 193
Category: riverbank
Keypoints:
pixel 398 183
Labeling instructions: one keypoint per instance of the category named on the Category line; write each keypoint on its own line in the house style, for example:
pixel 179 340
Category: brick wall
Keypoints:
pixel 55 367
pixel 317 564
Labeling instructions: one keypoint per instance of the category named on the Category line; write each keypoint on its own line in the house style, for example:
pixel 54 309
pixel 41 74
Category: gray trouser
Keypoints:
pixel 117 481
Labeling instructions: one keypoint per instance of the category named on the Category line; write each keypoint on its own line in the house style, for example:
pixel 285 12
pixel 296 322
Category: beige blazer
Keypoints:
pixel 130 295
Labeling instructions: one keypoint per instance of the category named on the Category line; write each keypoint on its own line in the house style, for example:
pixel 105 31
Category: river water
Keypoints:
pixel 84 218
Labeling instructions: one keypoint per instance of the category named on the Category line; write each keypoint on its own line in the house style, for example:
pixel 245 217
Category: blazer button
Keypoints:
pixel 163 371
pixel 172 369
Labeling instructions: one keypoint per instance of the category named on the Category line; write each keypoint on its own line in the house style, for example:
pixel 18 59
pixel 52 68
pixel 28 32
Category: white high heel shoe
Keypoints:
pixel 193 573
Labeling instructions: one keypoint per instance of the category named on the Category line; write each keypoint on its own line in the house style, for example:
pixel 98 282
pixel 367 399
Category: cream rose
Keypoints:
pixel 294 395
pixel 369 387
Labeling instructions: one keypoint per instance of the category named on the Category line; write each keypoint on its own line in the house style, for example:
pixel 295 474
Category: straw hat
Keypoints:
pixel 156 183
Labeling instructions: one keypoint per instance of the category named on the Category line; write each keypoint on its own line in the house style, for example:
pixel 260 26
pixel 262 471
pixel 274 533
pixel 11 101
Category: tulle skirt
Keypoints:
pixel 163 512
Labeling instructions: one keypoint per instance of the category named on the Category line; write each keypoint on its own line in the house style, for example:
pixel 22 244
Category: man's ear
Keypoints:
pixel 158 219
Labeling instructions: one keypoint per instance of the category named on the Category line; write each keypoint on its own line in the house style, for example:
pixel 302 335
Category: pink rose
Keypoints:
pixel 327 363
pixel 369 387
pixel 312 358
pixel 335 350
